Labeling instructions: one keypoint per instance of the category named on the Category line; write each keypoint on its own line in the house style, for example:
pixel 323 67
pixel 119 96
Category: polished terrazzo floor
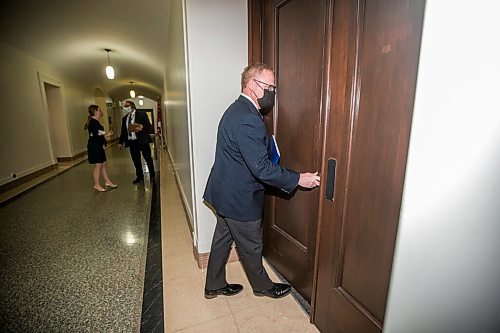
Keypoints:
pixel 72 259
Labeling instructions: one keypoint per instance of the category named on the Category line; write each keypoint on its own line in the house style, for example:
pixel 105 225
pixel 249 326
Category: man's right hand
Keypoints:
pixel 120 146
pixel 309 180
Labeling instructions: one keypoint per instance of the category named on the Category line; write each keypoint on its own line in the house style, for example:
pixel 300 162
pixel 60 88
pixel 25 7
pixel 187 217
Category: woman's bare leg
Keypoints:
pixel 97 172
pixel 104 171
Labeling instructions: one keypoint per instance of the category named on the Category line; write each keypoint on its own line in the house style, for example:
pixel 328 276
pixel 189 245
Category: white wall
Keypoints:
pixel 25 141
pixel 176 104
pixel 446 274
pixel 217 54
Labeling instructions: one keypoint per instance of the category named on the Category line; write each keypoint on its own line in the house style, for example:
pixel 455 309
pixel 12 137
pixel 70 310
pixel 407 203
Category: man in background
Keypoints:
pixel 135 131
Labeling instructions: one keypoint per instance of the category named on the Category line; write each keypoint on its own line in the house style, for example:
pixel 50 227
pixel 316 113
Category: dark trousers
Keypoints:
pixel 136 149
pixel 248 239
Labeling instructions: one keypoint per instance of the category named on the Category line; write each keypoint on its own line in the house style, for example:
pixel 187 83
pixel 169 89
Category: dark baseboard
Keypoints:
pixel 71 159
pixel 27 178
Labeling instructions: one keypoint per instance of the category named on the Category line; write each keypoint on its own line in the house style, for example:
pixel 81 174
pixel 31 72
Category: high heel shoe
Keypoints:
pixel 99 189
pixel 111 185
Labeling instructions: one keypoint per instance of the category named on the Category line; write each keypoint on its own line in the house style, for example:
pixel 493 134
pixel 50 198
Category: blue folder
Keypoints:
pixel 274 152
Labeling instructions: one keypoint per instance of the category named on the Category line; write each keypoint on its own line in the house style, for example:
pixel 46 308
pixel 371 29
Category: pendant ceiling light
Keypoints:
pixel 110 71
pixel 132 91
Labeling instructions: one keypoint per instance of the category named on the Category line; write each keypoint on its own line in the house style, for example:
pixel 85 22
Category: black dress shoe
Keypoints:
pixel 137 181
pixel 229 290
pixel 277 291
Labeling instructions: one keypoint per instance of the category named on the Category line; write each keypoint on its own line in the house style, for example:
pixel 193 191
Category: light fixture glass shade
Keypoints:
pixel 141 102
pixel 110 72
pixel 132 93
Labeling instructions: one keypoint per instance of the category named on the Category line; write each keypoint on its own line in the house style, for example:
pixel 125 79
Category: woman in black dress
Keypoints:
pixel 95 148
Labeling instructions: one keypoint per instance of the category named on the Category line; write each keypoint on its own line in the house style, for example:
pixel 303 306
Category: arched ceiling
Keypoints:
pixel 71 35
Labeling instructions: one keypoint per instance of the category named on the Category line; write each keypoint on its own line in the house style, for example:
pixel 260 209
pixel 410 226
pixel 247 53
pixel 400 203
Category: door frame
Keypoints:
pixel 42 79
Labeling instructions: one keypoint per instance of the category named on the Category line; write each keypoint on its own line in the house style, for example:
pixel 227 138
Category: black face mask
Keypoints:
pixel 266 102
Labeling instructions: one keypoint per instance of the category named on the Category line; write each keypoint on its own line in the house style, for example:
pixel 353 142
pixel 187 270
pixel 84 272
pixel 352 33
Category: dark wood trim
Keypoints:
pixel 254 31
pixel 71 159
pixel 19 181
pixel 325 105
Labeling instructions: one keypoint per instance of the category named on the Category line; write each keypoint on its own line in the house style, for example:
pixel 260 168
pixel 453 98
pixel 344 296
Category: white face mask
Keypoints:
pixel 127 109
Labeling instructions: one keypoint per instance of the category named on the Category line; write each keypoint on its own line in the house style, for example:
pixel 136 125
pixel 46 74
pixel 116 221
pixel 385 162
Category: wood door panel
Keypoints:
pixel 346 318
pixel 383 39
pixel 286 259
pixel 296 31
pixel 380 144
pixel 298 66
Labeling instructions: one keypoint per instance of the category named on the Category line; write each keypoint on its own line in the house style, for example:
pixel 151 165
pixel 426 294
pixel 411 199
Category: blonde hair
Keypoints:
pixel 252 71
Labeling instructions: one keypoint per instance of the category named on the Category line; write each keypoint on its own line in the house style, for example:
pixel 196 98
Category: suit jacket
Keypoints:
pixel 143 136
pixel 235 187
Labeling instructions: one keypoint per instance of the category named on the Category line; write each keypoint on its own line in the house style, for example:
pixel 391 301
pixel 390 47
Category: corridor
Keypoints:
pixel 73 260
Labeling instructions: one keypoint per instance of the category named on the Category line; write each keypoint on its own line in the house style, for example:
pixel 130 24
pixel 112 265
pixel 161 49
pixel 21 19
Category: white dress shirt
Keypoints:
pixel 130 121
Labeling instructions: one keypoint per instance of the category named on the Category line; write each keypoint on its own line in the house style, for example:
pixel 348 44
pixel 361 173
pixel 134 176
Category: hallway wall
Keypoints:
pixel 25 134
pixel 217 54
pixel 202 78
pixel 446 274
pixel 176 103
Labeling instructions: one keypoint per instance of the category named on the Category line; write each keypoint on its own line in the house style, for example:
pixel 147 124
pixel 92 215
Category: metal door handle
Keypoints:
pixel 330 179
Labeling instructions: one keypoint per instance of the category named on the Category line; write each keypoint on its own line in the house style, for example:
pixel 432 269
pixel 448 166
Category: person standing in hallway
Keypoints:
pixel 235 187
pixel 135 135
pixel 95 148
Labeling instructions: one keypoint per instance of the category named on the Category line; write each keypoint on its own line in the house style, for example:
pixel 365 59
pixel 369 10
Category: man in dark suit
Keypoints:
pixel 235 188
pixel 136 128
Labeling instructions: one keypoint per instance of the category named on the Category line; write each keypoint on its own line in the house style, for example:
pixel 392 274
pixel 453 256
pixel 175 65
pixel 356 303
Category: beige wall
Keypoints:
pixel 101 102
pixel 176 104
pixel 25 145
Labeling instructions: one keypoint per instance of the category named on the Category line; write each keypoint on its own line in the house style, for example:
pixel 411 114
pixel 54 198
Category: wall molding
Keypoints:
pixel 26 172
pixel 80 151
pixel 188 212
pixel 8 183
pixel 72 158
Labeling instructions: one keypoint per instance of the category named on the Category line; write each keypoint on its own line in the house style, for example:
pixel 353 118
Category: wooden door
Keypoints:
pixel 374 58
pixel 294 40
